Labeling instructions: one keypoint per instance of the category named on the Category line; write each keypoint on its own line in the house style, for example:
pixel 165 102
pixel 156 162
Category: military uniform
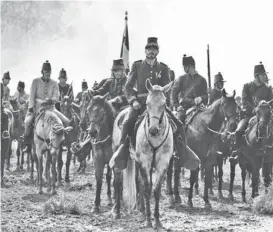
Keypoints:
pixel 252 94
pixel 114 86
pixel 21 97
pixel 159 74
pixel 216 93
pixel 6 92
pixel 186 88
pixel 40 91
pixel 78 98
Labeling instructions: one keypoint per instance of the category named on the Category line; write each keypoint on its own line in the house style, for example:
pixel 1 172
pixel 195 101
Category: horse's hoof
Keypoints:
pixel 196 191
pixel 190 204
pixel 21 168
pixel 40 191
pixel 220 195
pixel 67 180
pixel 116 216
pixel 158 224
pixel 148 223
pixel 230 197
pixel 28 169
pixel 110 202
pixel 244 199
pixel 207 206
pixel 48 189
pixel 171 201
pixel 142 217
pixel 211 192
pixel 177 199
pixel 53 192
pixel 59 184
pixel 17 169
pixel 95 209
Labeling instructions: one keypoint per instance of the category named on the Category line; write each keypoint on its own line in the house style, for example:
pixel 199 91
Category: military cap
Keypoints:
pixel 188 61
pixel 218 78
pixel 62 74
pixel 6 75
pixel 84 84
pixel 152 42
pixel 259 69
pixel 46 66
pixel 118 64
pixel 21 84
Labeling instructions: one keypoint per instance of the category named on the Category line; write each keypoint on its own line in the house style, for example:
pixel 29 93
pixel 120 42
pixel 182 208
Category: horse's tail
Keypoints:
pixel 129 184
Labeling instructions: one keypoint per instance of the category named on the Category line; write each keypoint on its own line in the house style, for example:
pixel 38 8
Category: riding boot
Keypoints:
pixel 120 157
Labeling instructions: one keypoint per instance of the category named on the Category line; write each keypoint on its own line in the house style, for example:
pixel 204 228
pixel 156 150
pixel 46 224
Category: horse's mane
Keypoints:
pixel 111 114
pixel 52 118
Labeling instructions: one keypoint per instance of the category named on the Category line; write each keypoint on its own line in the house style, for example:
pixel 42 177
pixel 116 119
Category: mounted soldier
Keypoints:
pixel 20 96
pixel 43 91
pixel 191 88
pixel 216 92
pixel 6 90
pixel 78 98
pixel 64 88
pixel 253 93
pixel 115 85
pixel 158 74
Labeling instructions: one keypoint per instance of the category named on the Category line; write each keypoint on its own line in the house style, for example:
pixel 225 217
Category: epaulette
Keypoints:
pixel 164 64
pixel 138 61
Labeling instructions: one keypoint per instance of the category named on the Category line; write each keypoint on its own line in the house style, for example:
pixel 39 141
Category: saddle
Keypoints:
pixel 192 112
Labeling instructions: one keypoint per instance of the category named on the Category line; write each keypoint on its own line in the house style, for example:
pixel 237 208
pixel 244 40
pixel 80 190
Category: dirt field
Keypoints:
pixel 24 210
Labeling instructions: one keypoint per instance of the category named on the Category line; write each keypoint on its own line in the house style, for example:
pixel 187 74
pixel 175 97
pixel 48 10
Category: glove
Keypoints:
pixel 118 100
pixel 136 105
pixel 197 100
pixel 30 110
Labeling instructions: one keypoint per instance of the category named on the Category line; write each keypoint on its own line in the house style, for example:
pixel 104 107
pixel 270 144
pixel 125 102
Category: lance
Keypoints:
pixel 70 88
pixel 208 58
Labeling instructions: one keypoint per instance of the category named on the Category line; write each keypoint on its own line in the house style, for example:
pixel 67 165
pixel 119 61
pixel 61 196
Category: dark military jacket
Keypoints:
pixel 253 94
pixel 99 84
pixel 188 88
pixel 140 72
pixel 214 95
pixel 64 90
pixel 115 87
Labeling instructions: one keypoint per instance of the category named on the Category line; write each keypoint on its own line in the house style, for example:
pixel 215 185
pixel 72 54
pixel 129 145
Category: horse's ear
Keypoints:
pixel 224 93
pixel 234 93
pixel 149 85
pixel 90 94
pixel 104 97
pixel 167 87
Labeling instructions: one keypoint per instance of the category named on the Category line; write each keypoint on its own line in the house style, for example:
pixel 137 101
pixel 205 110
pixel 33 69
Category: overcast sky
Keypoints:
pixel 240 34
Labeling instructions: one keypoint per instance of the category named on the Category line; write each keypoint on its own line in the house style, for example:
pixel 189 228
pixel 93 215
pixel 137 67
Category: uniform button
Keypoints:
pixel 151 72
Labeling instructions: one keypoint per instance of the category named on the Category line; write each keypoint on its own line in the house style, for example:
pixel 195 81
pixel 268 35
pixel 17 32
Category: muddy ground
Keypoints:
pixel 22 209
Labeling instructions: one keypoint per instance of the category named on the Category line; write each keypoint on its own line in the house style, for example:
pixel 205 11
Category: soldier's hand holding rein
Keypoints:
pixel 136 105
pixel 197 100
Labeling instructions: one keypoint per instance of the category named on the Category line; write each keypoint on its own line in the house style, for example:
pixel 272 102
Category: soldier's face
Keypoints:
pixel 118 73
pixel 220 85
pixel 19 89
pixel 6 81
pixel 151 52
pixel 47 74
pixel 63 80
pixel 263 78
pixel 187 69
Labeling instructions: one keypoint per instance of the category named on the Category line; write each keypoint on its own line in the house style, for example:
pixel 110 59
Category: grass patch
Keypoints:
pixel 263 204
pixel 62 206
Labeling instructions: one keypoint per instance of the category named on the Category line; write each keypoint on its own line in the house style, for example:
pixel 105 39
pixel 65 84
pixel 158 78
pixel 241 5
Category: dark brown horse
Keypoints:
pixel 202 140
pixel 257 151
pixel 6 132
pixel 72 136
pixel 101 117
pixel 19 113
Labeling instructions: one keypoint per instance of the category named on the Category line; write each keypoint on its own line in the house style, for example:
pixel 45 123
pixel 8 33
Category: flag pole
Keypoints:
pixel 124 53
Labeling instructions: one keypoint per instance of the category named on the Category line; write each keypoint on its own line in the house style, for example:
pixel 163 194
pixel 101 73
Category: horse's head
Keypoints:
pixel 229 109
pixel 65 105
pixel 263 114
pixel 97 115
pixel 156 104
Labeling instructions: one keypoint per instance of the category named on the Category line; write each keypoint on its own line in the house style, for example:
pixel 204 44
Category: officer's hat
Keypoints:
pixel 46 66
pixel 152 42
pixel 84 84
pixel 188 61
pixel 118 64
pixel 6 75
pixel 259 69
pixel 218 78
pixel 62 74
pixel 21 84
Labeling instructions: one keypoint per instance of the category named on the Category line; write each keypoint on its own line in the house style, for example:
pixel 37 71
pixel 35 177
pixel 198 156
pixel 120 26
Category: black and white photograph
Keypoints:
pixel 137 115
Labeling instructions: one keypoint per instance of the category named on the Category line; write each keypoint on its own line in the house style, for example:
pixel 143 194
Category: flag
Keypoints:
pixel 124 53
